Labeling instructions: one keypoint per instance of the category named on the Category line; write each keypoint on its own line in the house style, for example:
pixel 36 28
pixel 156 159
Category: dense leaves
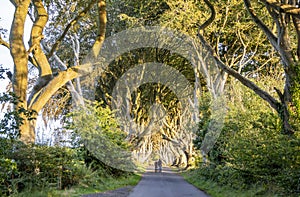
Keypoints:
pixel 12 119
pixel 251 150
pixel 96 129
pixel 26 168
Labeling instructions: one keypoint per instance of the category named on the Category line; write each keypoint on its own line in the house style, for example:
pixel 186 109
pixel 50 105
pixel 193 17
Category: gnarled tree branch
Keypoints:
pixel 276 42
pixel 64 76
pixel 263 94
pixel 272 38
pixel 74 21
pixel 211 18
pixel 284 8
pixel 57 82
pixel 102 19
pixel 45 72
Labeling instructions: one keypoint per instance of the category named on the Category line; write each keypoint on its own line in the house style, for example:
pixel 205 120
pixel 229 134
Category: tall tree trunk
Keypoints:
pixel 46 84
pixel 20 58
pixel 29 126
pixel 282 14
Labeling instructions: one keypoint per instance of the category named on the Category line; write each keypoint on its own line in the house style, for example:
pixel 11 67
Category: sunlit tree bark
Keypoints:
pixel 47 84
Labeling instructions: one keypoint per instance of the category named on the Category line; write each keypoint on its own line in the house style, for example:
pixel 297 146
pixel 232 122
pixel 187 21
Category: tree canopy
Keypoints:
pixel 255 43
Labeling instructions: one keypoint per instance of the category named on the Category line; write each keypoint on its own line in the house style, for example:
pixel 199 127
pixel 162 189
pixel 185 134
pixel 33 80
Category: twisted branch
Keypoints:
pixel 211 18
pixel 74 21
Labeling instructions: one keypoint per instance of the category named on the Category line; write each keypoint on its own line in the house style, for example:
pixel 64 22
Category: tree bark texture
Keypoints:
pixel 47 84
pixel 281 14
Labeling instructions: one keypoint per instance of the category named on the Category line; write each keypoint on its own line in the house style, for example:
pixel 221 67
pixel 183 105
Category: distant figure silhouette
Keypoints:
pixel 159 164
pixel 156 166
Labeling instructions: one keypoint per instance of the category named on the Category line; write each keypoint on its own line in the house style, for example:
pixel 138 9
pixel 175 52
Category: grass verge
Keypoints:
pixel 215 190
pixel 110 183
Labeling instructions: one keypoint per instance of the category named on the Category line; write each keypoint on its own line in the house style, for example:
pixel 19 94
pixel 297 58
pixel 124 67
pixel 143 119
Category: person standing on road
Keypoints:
pixel 159 164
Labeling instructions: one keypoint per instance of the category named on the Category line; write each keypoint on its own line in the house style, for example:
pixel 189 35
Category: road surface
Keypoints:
pixel 165 184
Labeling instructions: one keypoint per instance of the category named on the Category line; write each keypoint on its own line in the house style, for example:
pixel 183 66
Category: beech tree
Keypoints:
pixel 38 54
pixel 281 35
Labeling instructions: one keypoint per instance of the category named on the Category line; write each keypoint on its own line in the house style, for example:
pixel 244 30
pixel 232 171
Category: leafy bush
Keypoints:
pixel 8 168
pixel 26 168
pixel 96 129
pixel 31 167
pixel 251 149
pixel 12 118
pixel 40 167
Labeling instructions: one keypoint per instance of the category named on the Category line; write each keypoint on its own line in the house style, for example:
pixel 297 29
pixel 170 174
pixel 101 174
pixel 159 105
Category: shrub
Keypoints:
pixel 251 149
pixel 96 130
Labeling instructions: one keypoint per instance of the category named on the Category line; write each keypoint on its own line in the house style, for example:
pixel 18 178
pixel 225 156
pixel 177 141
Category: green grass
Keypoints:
pixel 216 190
pixel 107 184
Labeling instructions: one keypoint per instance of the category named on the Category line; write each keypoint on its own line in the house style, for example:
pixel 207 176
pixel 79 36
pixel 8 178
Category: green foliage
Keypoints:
pixel 43 170
pixel 24 169
pixel 130 13
pixel 198 177
pixel 50 165
pixel 204 109
pixel 27 167
pixel 108 183
pixel 232 34
pixel 295 109
pixel 251 150
pixel 96 129
pixel 13 117
pixel 8 169
pixel 256 147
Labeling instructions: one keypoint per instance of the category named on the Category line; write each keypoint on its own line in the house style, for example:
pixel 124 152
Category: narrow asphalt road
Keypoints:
pixel 164 184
